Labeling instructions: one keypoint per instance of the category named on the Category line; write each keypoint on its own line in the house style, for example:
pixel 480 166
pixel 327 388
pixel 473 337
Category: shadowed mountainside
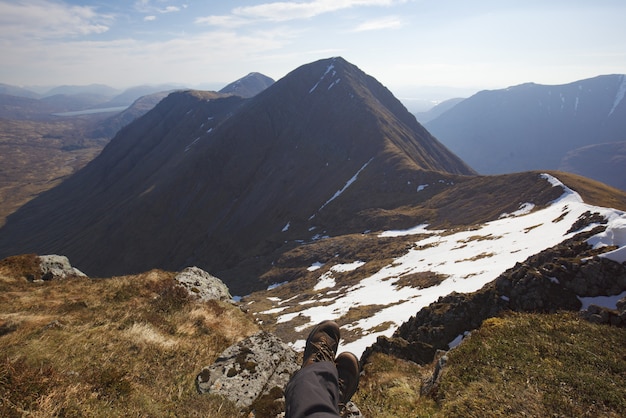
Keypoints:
pixel 214 181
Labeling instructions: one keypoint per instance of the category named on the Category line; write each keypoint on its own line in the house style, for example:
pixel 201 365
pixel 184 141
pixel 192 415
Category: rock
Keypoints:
pixel 252 373
pixel 432 382
pixel 203 285
pixel 602 315
pixel 57 267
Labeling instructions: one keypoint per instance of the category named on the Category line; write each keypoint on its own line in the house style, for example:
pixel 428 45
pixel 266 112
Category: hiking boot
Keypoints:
pixel 322 343
pixel 348 370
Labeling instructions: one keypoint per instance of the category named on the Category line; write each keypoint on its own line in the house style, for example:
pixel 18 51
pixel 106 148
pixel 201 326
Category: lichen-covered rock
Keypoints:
pixel 57 267
pixel 203 285
pixel 251 372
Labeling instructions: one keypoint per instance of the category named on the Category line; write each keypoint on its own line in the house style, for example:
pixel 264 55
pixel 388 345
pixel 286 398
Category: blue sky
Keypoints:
pixel 405 44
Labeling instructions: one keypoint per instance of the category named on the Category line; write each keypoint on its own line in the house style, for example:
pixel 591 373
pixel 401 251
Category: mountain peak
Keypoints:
pixel 249 85
pixel 212 180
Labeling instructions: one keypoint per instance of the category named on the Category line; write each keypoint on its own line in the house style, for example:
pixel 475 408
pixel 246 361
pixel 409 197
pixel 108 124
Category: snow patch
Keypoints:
pixel 421 187
pixel 188 147
pixel 328 70
pixel 326 280
pixel 286 227
pixel 614 235
pixel 609 302
pixel 524 209
pixel 275 285
pixel 334 83
pixel 343 189
pixel 315 266
pixel 419 229
pixel 343 268
pixel 619 96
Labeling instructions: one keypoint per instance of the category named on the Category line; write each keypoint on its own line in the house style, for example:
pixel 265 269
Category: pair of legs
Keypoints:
pixel 324 384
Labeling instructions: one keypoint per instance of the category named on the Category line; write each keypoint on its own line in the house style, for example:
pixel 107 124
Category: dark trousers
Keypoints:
pixel 313 392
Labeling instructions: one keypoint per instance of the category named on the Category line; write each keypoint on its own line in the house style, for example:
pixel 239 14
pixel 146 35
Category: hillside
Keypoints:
pixel 533 127
pixel 604 162
pixel 134 344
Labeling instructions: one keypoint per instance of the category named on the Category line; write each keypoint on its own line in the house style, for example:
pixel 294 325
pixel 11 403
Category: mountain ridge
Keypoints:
pixel 234 172
pixel 533 126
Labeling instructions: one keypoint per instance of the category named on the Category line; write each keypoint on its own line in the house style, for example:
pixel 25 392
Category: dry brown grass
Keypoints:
pixel 125 346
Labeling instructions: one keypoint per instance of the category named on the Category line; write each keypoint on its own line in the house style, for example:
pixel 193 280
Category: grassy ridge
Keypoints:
pixel 126 346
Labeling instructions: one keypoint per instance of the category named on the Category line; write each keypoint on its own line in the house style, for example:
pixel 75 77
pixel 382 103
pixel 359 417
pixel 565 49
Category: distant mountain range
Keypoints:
pixel 539 127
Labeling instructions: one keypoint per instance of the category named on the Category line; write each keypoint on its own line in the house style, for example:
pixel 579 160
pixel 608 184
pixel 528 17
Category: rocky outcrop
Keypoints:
pixel 602 315
pixel 57 267
pixel 203 285
pixel 550 281
pixel 252 373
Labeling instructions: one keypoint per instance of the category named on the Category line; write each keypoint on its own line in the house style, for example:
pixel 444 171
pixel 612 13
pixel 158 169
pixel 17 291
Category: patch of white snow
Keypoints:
pixel 609 302
pixel 614 235
pixel 419 229
pixel 326 280
pixel 343 189
pixel 619 96
pixel 275 285
pixel 315 266
pixel 524 208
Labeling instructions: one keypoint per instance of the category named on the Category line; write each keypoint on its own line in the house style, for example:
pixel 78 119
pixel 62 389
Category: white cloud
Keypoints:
pixel 389 22
pixel 149 18
pixel 288 10
pixel 169 9
pixel 139 61
pixel 47 19
pixel 226 21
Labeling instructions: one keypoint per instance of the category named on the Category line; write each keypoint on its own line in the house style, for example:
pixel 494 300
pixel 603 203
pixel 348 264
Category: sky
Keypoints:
pixel 408 45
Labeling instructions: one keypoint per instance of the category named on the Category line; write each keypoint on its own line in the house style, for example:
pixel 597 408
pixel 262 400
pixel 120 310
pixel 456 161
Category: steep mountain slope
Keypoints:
pixel 532 127
pixel 221 182
pixel 248 86
pixel 605 162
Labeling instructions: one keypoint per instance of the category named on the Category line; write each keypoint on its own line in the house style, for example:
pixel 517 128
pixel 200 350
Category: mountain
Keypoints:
pixel 435 112
pixel 604 162
pixel 531 126
pixel 225 183
pixel 248 86
pixel 109 127
pixel 17 91
pixel 92 89
pixel 131 95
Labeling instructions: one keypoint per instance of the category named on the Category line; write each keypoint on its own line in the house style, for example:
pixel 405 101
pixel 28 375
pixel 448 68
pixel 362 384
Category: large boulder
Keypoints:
pixel 203 285
pixel 57 267
pixel 252 373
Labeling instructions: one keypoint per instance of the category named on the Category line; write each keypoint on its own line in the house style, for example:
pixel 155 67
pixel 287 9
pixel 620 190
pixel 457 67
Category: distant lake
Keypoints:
pixel 91 111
